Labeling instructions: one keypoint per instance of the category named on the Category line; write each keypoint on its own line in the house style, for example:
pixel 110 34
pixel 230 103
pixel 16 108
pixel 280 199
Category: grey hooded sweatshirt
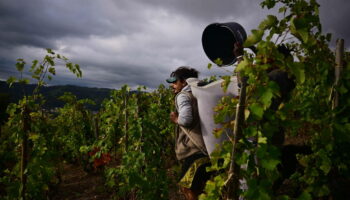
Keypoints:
pixel 189 138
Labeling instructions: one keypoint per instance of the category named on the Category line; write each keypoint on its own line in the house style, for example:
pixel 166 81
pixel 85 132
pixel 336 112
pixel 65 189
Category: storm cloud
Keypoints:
pixel 134 42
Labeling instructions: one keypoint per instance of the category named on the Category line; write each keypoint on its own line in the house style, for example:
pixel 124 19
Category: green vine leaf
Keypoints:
pixel 209 65
pixel 305 196
pixel 24 81
pixel 269 164
pixel 52 70
pixel 242 65
pixel 254 38
pixel 266 97
pixel 256 110
pixel 218 62
pixel 20 65
pixel 11 80
pixel 268 3
pixel 298 71
pixel 269 22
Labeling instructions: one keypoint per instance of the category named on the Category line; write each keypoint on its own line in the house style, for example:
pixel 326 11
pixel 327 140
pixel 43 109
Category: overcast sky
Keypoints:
pixel 134 42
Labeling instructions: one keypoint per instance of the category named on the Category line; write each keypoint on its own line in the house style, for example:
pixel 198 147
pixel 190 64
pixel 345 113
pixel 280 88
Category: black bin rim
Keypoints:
pixel 218 40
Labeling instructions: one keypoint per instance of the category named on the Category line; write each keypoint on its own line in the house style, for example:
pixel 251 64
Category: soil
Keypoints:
pixel 79 185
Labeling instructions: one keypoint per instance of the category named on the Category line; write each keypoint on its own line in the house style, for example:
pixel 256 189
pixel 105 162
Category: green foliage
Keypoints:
pixel 43 150
pixel 73 125
pixel 30 125
pixel 308 111
pixel 143 134
pixel 133 126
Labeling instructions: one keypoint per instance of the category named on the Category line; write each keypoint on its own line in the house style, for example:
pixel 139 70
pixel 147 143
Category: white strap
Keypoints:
pixel 194 142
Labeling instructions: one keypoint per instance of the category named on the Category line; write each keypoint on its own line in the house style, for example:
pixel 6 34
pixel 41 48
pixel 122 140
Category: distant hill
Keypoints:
pixel 51 93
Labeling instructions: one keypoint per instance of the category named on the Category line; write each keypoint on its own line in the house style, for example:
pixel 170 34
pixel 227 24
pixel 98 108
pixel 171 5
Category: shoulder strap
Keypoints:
pixel 194 141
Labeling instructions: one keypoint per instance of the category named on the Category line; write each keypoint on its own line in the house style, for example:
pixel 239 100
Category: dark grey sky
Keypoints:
pixel 134 42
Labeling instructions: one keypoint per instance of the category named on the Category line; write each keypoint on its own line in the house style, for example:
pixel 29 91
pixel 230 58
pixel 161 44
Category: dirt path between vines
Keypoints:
pixel 78 185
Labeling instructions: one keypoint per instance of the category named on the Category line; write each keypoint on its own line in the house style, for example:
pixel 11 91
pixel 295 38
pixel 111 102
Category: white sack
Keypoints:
pixel 208 97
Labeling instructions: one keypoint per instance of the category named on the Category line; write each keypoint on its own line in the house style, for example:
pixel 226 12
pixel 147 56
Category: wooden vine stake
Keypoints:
pixel 126 116
pixel 96 127
pixel 339 65
pixel 233 180
pixel 24 156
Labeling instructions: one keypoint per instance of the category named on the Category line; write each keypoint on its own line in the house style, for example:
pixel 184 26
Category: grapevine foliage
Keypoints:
pixel 131 138
pixel 29 142
pixel 138 125
pixel 307 113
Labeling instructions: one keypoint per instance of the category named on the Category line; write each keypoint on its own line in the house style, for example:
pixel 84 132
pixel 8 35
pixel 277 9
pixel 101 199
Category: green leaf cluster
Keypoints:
pixel 305 115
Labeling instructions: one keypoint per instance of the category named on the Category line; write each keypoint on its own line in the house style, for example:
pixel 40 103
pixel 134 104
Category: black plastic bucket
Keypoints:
pixel 218 40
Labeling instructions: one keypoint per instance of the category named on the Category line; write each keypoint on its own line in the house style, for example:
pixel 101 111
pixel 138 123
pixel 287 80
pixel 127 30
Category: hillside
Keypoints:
pixel 51 93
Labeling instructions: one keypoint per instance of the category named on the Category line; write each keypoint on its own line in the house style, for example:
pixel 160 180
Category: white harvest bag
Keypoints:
pixel 208 97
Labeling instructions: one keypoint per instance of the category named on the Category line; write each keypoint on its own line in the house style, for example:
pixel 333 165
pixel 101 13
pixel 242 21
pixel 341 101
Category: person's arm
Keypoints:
pixel 238 51
pixel 185 117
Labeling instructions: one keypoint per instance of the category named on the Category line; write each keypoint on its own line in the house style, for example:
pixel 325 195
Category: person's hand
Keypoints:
pixel 173 117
